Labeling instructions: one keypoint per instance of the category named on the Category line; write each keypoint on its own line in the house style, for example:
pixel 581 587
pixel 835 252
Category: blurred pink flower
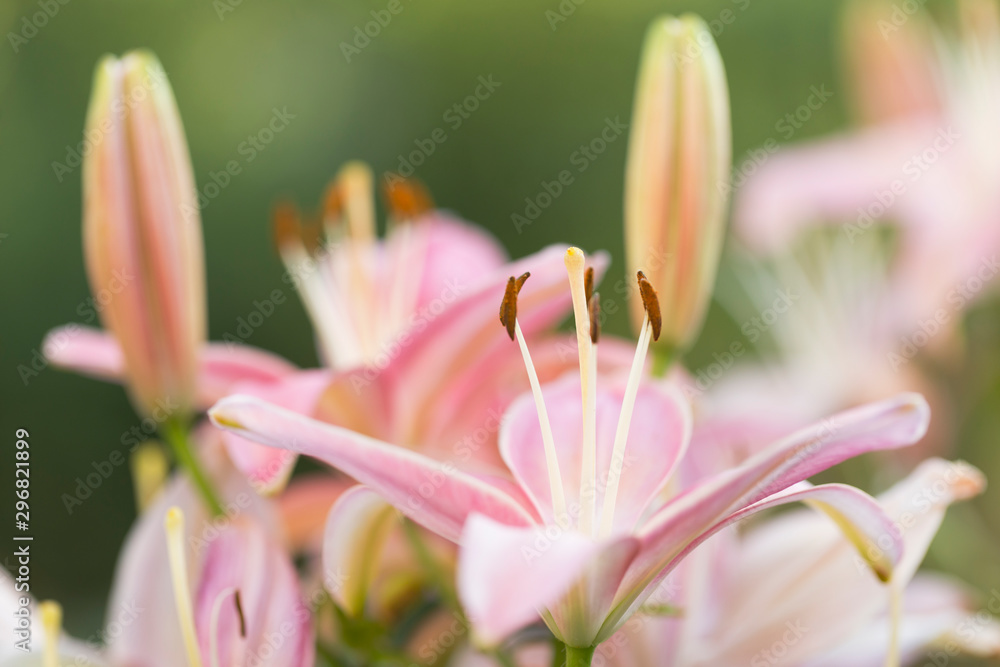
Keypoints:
pixel 601 542
pixel 929 163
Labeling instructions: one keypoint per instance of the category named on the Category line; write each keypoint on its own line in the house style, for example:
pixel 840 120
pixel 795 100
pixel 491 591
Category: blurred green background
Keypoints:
pixel 231 63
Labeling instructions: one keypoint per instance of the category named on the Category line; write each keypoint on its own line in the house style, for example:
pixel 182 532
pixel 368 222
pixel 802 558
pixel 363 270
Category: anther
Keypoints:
pixel 407 199
pixel 588 283
pixel 239 612
pixel 651 303
pixel 594 307
pixel 286 225
pixel 508 307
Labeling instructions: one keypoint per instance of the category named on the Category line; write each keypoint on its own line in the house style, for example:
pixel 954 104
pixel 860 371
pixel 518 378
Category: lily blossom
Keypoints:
pixel 596 490
pixel 821 607
pixel 209 590
pixel 928 164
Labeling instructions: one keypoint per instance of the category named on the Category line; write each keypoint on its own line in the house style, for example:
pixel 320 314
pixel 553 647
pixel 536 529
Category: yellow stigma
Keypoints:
pixel 51 614
pixel 174 525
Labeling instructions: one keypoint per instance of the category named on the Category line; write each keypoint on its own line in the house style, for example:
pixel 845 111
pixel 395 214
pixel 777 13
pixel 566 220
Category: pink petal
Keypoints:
pixel 454 253
pixel 224 365
pixel 889 424
pixel 278 626
pixel 822 182
pixel 97 354
pixel 266 468
pixel 447 354
pixel 507 575
pixel 86 351
pixel 304 506
pixel 434 494
pixel 356 529
pixel 657 439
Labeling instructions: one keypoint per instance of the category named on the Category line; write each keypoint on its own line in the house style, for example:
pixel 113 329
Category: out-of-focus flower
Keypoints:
pixel 676 180
pixel 929 164
pixel 190 606
pixel 142 231
pixel 607 537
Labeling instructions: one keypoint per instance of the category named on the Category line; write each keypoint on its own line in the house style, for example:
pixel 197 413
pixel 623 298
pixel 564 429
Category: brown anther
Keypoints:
pixel 407 199
pixel 508 307
pixel 333 203
pixel 312 236
pixel 588 283
pixel 239 612
pixel 286 224
pixel 594 308
pixel 651 303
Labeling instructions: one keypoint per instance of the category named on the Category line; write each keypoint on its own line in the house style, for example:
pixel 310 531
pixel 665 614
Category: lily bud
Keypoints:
pixel 677 175
pixel 142 231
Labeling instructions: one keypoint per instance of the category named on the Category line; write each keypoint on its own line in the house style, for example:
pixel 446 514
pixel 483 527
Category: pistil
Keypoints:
pixel 576 270
pixel 51 615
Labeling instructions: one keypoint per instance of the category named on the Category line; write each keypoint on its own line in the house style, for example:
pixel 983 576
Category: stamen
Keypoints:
pixel 149 471
pixel 333 206
pixel 588 283
pixel 213 623
pixel 576 269
pixel 621 433
pixel 651 303
pixel 508 317
pixel 239 613
pixel 51 615
pixel 174 525
pixel 356 187
pixel 407 199
pixel 286 226
pixel 594 306
pixel 508 307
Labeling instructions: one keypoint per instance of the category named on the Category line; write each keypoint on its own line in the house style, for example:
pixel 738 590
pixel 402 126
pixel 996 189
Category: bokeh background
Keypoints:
pixel 233 62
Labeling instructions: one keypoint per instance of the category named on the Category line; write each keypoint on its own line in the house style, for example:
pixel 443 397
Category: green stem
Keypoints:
pixel 577 656
pixel 430 564
pixel 663 355
pixel 176 434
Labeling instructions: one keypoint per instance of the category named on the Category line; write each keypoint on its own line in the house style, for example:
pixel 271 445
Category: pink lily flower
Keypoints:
pixel 928 164
pixel 183 583
pixel 733 606
pixel 607 540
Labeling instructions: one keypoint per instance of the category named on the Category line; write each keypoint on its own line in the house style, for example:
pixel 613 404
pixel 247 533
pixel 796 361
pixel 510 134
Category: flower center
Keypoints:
pixel 358 292
pixel 586 311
